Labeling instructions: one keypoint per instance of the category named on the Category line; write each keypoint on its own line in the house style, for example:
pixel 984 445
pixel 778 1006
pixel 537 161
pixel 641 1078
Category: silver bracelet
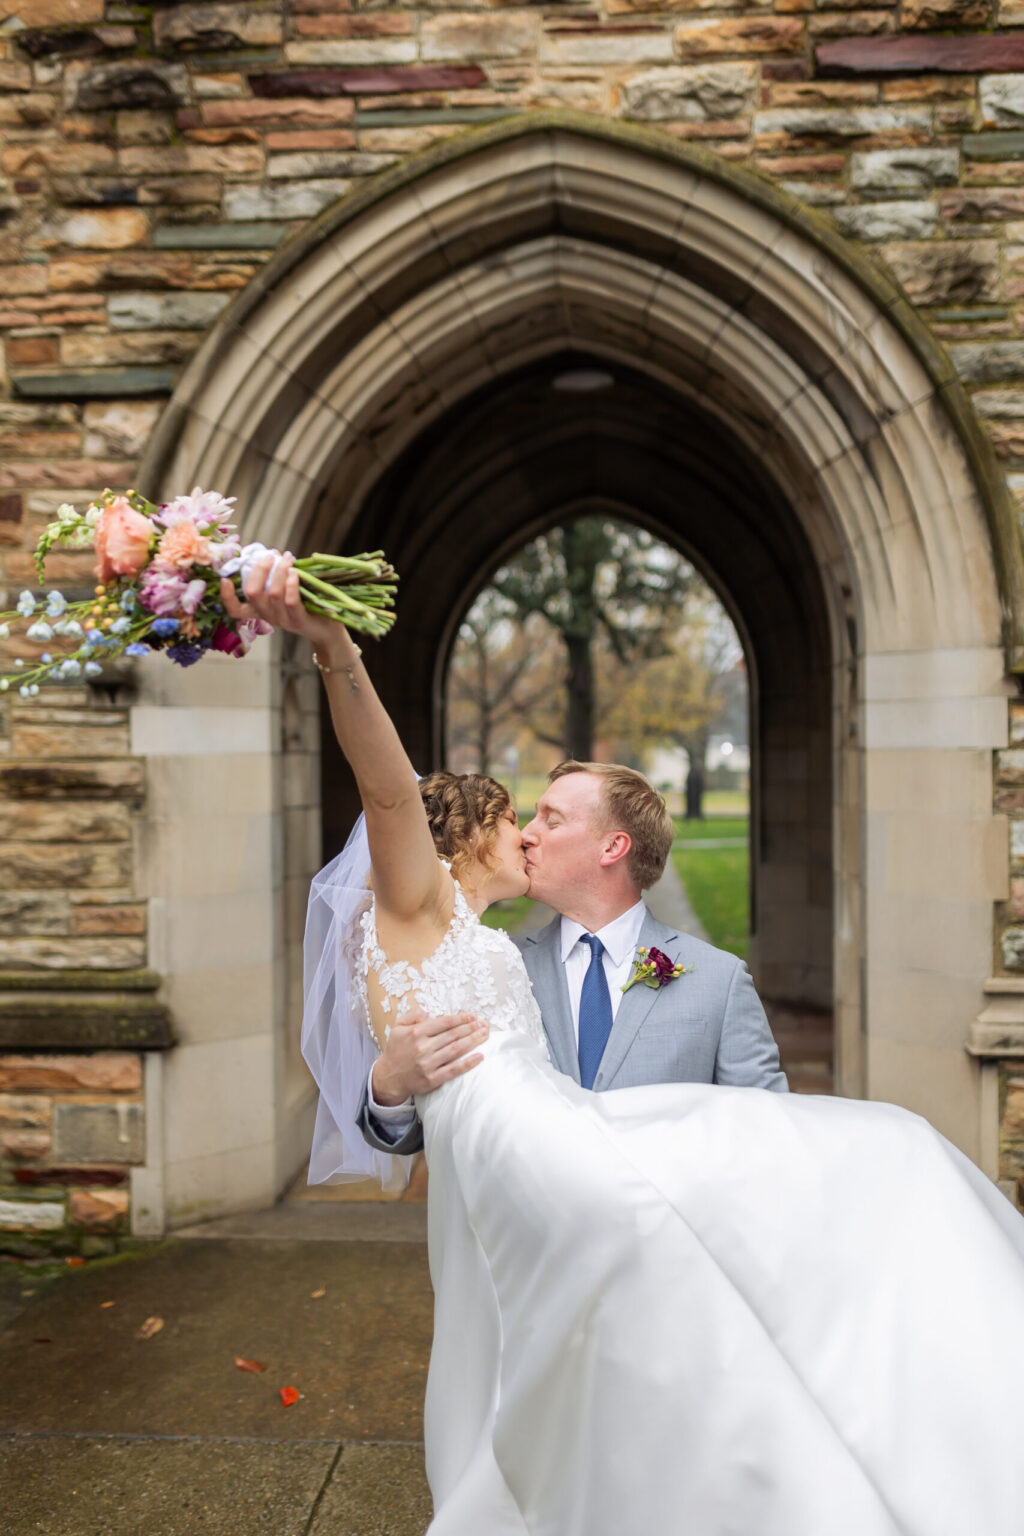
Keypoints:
pixel 349 670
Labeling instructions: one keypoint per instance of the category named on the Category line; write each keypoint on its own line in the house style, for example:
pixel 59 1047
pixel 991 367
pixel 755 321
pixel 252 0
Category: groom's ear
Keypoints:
pixel 615 848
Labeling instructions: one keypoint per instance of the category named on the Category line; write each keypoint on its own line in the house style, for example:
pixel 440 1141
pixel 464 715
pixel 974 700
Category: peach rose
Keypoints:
pixel 122 537
pixel 183 546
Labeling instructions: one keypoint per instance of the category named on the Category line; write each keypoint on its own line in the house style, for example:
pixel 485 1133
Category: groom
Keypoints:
pixel 600 837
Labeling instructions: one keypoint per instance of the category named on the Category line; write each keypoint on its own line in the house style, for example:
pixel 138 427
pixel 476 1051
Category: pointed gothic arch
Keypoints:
pixel 836 479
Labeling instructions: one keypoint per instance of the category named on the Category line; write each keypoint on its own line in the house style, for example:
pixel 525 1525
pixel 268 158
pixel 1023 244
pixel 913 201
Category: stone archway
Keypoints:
pixel 382 383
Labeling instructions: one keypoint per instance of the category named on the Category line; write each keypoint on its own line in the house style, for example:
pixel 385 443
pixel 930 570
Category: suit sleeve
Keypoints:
pixel 377 1133
pixel 747 1054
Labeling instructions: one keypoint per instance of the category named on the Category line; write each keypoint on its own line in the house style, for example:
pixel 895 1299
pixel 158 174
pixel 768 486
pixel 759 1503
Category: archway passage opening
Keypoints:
pixel 521 456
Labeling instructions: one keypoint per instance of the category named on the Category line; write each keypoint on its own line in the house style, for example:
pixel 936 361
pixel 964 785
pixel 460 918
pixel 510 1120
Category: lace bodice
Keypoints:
pixel 474 969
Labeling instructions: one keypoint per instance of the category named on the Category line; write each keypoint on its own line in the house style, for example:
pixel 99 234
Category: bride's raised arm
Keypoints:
pixel 407 878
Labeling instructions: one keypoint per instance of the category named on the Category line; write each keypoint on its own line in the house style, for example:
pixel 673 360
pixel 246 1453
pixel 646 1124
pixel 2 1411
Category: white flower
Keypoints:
pixel 121 626
pixel 4 684
pixel 204 508
pixel 26 604
pixel 243 562
pixel 33 689
pixel 5 631
pixel 40 630
pixel 24 691
pixel 81 538
pixel 70 668
pixel 93 513
pixel 72 629
pixel 66 514
pixel 93 669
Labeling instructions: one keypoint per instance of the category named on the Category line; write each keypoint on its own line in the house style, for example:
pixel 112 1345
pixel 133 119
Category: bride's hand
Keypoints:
pixel 272 593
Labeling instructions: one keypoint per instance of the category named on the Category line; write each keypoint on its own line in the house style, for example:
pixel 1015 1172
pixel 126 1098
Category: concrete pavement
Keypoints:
pixel 106 1433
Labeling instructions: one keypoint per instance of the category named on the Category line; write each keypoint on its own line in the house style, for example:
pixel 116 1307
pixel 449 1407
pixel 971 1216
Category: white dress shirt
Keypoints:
pixel 621 939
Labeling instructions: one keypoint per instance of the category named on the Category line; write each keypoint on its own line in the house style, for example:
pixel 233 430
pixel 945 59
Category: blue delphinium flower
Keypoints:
pixel 46 658
pixel 93 669
pixel 127 601
pixel 93 637
pixel 40 630
pixel 26 604
pixel 186 654
pixel 121 626
pixel 164 627
pixel 136 649
pixel 55 605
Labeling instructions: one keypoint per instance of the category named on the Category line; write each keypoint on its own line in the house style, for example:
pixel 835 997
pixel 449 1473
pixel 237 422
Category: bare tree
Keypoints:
pixel 594 577
pixel 499 675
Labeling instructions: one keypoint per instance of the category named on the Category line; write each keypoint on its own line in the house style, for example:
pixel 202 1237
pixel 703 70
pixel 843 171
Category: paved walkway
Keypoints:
pixel 104 1433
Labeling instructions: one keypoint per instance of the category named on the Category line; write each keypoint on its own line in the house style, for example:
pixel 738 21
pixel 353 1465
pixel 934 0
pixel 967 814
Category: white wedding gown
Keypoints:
pixel 687 1310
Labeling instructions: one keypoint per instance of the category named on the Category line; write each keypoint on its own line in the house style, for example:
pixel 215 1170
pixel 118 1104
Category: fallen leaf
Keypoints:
pixel 150 1326
pixel 290 1395
pixel 108 1303
pixel 74 1260
pixel 42 1341
pixel 249 1365
pixel 322 1291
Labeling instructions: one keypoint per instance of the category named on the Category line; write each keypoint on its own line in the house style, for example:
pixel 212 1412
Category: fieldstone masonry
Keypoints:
pixel 154 156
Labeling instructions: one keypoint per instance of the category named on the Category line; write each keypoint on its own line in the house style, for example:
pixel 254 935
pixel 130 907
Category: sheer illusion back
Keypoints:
pixel 474 969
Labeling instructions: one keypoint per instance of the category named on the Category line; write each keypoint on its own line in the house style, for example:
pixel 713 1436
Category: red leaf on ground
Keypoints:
pixel 150 1326
pixel 290 1395
pixel 108 1303
pixel 249 1365
pixel 74 1260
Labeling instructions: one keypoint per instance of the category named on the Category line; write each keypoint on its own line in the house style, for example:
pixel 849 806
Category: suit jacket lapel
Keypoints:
pixel 638 1001
pixel 542 953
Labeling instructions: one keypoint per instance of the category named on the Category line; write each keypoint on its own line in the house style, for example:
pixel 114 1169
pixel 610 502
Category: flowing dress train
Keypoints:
pixel 702 1311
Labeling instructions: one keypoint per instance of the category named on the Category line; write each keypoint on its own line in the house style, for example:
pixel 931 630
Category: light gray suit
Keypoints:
pixel 707 1026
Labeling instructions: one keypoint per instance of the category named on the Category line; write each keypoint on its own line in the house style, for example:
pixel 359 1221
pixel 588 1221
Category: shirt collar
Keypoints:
pixel 620 937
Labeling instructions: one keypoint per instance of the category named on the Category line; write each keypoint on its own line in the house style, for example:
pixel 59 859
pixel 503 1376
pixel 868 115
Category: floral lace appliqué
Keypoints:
pixel 474 969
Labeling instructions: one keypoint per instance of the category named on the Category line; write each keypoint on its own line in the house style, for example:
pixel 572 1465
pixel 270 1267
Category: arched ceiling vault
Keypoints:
pixel 558 235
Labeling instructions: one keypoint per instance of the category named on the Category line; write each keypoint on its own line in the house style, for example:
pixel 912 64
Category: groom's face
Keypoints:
pixel 565 839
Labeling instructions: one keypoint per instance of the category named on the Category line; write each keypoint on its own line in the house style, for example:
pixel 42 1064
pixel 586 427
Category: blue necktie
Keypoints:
pixel 595 1013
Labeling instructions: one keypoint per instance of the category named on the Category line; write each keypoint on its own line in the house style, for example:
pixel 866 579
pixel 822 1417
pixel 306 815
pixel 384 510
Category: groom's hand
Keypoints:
pixel 422 1052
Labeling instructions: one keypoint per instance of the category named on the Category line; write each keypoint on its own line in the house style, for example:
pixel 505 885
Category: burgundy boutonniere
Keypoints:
pixel 654 968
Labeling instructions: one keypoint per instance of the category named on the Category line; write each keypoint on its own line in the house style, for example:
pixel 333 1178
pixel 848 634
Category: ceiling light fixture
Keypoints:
pixel 582 381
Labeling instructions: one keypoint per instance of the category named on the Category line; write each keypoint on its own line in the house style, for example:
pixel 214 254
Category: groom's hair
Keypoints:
pixel 630 803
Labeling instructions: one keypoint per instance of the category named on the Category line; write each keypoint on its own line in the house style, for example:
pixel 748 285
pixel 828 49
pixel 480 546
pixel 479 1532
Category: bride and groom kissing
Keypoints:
pixel 669 1295
pixel 708 1028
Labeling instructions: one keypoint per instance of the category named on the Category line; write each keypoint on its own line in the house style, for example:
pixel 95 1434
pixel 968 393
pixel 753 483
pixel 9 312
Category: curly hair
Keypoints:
pixel 463 810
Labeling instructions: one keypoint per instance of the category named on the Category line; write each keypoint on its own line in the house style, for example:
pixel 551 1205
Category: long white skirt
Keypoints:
pixel 703 1311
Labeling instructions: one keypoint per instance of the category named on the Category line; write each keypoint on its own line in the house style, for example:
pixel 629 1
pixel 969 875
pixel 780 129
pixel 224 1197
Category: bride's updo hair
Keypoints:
pixel 464 810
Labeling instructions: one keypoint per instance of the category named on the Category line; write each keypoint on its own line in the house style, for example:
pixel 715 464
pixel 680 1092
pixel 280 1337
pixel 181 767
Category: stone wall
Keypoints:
pixel 154 156
pixel 71 1127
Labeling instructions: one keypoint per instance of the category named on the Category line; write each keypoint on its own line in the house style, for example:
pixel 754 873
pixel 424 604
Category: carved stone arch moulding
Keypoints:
pixel 555 231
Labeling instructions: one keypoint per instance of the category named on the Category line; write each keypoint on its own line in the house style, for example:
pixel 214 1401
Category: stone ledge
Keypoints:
pixel 998 1031
pixel 83 1011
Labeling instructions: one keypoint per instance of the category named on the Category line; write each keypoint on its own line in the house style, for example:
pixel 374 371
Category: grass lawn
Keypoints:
pixel 507 914
pixel 716 878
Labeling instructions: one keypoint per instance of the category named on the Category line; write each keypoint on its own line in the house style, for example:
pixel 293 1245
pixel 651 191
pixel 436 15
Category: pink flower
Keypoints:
pixel 251 629
pixel 161 591
pixel 193 595
pixel 222 550
pixel 122 538
pixel 203 508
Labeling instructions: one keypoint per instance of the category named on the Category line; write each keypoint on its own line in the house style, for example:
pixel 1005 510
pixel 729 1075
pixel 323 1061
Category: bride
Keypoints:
pixel 676 1309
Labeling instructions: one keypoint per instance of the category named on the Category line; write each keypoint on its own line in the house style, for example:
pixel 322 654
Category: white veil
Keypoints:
pixel 336 1042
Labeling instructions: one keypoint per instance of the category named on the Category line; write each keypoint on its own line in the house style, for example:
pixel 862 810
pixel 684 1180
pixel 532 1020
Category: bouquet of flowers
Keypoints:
pixel 158 572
